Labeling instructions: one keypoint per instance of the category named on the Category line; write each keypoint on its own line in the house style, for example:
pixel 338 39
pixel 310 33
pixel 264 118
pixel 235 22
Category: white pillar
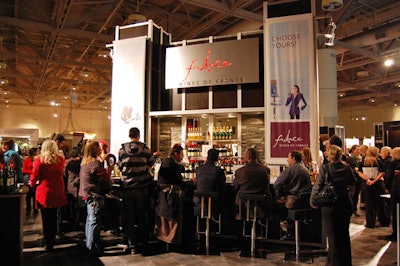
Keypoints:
pixel 328 103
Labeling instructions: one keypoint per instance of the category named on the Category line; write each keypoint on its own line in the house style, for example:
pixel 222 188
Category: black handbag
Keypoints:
pixel 327 195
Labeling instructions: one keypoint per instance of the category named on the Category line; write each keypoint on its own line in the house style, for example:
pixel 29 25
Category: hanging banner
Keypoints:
pixel 128 89
pixel 290 85
pixel 211 64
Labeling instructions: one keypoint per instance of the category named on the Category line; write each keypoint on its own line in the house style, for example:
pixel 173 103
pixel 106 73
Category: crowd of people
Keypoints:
pixel 81 187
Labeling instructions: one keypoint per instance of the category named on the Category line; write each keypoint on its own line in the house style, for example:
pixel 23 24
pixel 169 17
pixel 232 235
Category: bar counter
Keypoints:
pixel 11 222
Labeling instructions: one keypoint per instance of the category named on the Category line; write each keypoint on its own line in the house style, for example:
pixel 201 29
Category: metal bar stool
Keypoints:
pixel 253 200
pixel 207 198
pixel 302 213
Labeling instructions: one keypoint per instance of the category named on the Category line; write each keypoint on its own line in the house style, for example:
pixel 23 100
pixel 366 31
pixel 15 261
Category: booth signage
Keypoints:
pixel 289 136
pixel 291 93
pixel 211 64
pixel 128 89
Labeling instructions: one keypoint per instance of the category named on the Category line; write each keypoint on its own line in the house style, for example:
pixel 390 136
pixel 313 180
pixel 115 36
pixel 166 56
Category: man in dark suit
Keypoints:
pixel 210 177
pixel 253 177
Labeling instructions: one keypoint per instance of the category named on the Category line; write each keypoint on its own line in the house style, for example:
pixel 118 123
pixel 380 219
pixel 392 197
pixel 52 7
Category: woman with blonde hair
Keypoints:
pixel 308 162
pixel 371 171
pixel 48 169
pixel 336 216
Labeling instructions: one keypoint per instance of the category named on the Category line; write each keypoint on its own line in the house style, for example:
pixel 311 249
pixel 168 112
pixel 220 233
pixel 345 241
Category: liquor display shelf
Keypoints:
pixel 225 141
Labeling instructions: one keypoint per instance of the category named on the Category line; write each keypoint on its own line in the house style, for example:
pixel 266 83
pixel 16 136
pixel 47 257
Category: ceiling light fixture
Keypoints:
pixel 103 53
pixel 357 118
pixel 85 73
pixel 330 31
pixel 330 41
pixel 3 81
pixel 3 65
pixel 137 16
pixel 331 5
pixel 389 62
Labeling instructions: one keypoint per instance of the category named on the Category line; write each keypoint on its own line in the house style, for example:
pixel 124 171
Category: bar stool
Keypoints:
pixel 302 213
pixel 252 201
pixel 207 197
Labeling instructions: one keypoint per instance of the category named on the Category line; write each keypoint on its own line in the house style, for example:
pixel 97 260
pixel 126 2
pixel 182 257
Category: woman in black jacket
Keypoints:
pixel 174 208
pixel 336 216
pixel 394 179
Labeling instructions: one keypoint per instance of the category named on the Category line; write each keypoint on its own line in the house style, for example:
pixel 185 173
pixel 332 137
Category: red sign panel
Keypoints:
pixel 288 136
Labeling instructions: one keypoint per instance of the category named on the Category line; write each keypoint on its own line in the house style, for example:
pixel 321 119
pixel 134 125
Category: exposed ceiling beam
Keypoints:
pixel 37 26
pixel 222 8
pixel 356 49
pixel 71 62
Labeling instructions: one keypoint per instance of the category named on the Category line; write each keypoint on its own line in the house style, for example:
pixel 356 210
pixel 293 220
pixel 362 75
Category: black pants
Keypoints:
pixel 135 209
pixel 336 222
pixel 394 199
pixel 30 199
pixel 49 221
pixel 355 193
pixel 376 206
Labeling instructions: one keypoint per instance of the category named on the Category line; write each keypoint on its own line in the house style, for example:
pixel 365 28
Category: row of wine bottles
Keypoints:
pixel 223 133
pixel 219 133
pixel 8 180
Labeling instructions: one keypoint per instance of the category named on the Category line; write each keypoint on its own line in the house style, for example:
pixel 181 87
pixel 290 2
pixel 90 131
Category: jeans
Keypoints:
pixel 93 223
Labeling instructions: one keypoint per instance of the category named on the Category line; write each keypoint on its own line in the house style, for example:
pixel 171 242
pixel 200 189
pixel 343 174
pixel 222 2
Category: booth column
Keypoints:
pixel 328 103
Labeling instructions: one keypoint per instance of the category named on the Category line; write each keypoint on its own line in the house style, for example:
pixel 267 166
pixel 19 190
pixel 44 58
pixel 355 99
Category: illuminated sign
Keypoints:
pixel 210 64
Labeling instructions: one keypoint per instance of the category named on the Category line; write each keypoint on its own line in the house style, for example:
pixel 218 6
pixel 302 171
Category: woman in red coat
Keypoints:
pixel 48 169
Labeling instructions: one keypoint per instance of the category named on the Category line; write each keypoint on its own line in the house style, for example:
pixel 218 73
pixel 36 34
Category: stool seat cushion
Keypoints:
pixel 299 214
pixel 255 197
pixel 206 194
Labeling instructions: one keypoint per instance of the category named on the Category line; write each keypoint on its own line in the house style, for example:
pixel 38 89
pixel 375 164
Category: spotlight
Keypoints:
pixel 330 31
pixel 330 41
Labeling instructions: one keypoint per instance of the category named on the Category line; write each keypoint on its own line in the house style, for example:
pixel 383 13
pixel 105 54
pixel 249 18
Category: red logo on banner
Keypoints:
pixel 206 65
pixel 289 136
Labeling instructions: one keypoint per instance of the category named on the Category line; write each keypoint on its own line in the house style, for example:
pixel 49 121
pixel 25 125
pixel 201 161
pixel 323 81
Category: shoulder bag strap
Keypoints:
pixel 327 176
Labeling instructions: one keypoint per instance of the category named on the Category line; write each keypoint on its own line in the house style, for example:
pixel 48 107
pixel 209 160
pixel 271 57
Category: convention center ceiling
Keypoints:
pixel 50 48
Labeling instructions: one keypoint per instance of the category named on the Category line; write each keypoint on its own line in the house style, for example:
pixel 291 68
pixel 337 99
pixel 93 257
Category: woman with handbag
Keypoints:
pixel 336 214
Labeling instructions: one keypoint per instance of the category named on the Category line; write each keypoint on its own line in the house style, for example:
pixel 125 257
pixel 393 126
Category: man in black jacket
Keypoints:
pixel 210 178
